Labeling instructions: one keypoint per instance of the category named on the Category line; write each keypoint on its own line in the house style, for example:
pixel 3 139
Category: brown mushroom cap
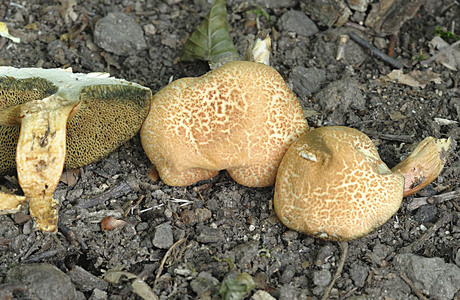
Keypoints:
pixel 333 185
pixel 241 117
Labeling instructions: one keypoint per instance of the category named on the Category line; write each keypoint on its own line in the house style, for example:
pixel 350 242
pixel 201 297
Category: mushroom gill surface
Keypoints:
pixel 333 185
pixel 240 117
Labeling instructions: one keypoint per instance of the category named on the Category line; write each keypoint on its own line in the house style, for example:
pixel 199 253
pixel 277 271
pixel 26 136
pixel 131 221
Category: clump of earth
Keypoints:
pixel 189 242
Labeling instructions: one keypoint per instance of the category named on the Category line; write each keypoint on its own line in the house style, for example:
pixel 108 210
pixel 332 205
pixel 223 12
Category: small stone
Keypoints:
pixel 322 278
pixel 97 294
pixel 432 276
pixel 21 218
pixel 202 214
pixel 307 81
pixel 150 29
pixel 359 5
pixel 210 235
pixel 324 253
pixel 43 281
pixel 205 282
pixel 298 22
pixel 262 295
pixel 289 235
pixel 119 33
pixel 426 213
pixel 85 281
pixel 163 237
pixel 359 274
pixel 288 274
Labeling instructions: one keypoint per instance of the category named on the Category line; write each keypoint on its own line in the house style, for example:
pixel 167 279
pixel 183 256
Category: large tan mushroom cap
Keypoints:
pixel 332 184
pixel 241 117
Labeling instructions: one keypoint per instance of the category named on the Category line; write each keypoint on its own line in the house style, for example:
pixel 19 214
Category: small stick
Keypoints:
pixel 163 261
pixel 391 46
pixel 344 248
pixel 376 52
pixel 114 192
pixel 420 201
pixel 412 286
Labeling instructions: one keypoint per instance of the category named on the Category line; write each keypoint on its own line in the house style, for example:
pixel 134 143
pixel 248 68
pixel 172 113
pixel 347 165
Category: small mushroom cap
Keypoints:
pixel 240 117
pixel 333 185
pixel 108 111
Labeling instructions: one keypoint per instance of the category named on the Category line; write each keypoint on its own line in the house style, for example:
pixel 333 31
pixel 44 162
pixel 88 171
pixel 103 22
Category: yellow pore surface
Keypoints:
pixel 332 184
pixel 241 117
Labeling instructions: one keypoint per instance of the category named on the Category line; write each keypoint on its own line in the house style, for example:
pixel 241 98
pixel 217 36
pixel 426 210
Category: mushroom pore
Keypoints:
pixel 240 117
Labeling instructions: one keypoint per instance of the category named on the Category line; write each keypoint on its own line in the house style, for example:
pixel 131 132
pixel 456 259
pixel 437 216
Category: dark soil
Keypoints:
pixel 222 228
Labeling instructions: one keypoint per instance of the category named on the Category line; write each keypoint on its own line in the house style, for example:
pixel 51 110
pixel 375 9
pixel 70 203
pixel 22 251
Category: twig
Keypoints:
pixel 42 256
pixel 440 52
pixel 413 287
pixel 420 201
pixel 418 244
pixel 391 46
pixel 163 261
pixel 376 52
pixel 71 235
pixel 114 192
pixel 344 248
pixel 391 137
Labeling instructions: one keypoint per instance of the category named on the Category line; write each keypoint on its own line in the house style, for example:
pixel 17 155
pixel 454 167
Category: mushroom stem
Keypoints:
pixel 40 156
pixel 344 249
pixel 423 165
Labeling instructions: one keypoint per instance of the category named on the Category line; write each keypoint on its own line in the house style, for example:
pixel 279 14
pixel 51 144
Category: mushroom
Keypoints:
pixel 240 117
pixel 333 185
pixel 53 117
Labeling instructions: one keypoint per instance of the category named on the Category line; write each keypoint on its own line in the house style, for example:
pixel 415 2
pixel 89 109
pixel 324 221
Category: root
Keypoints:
pixel 344 248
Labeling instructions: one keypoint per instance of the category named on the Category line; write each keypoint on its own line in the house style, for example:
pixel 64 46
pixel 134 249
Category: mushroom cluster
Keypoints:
pixel 240 117
pixel 53 117
pixel 333 185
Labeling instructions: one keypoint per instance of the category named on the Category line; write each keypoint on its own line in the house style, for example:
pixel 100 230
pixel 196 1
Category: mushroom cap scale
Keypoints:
pixel 241 117
pixel 332 184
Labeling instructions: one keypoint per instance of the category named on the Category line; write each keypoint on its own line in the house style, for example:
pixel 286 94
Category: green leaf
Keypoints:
pixel 211 40
pixel 235 287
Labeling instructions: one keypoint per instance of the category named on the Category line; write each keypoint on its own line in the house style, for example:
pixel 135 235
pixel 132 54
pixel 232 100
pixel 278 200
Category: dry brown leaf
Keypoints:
pixel 415 78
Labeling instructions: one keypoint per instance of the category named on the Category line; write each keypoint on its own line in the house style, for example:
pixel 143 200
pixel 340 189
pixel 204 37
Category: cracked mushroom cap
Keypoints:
pixel 107 111
pixel 240 117
pixel 333 185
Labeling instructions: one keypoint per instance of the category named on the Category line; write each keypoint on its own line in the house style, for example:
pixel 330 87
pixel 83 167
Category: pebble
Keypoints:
pixel 298 22
pixel 85 281
pixel 119 33
pixel 44 281
pixel 262 295
pixel 324 253
pixel 432 276
pixel 426 213
pixel 267 3
pixel 163 237
pixel 210 235
pixel 288 274
pixel 97 294
pixel 359 274
pixel 203 283
pixel 307 81
pixel 339 97
pixel 322 278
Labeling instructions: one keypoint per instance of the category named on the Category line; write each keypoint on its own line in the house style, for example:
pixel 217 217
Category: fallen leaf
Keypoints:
pixel 448 55
pixel 415 78
pixel 70 177
pixel 139 286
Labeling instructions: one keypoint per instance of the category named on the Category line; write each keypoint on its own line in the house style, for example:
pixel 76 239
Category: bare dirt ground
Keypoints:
pixel 185 242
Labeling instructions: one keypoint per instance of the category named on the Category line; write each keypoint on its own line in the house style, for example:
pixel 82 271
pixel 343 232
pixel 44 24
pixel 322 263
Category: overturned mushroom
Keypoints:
pixel 240 117
pixel 53 117
pixel 333 185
